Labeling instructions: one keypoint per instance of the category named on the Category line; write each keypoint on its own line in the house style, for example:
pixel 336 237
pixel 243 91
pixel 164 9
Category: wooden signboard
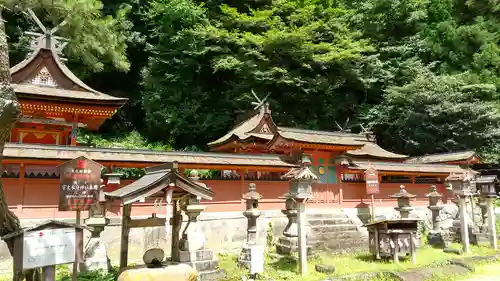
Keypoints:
pixel 80 181
pixel 45 246
pixel 372 183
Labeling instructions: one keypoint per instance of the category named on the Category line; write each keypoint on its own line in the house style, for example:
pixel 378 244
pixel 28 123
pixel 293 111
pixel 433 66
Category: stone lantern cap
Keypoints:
pixel 252 194
pixel 434 193
pixel 403 193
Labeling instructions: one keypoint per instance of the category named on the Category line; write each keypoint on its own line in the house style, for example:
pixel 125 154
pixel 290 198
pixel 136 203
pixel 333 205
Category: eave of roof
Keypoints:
pixel 32 151
pixel 373 150
pixel 444 157
pixel 41 92
pixel 406 167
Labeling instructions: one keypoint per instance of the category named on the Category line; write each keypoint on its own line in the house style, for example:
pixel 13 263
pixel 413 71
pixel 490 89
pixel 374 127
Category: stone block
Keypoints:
pixel 436 239
pixel 452 251
pixel 212 275
pixel 199 255
pixel 323 268
pixel 204 265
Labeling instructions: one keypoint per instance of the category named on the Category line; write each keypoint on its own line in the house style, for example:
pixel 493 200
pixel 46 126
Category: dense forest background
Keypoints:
pixel 423 75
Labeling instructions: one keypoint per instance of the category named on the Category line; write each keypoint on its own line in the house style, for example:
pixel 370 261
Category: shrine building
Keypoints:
pixel 55 104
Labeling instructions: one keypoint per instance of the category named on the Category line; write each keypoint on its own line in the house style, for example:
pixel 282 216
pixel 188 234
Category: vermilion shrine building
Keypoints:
pixel 55 103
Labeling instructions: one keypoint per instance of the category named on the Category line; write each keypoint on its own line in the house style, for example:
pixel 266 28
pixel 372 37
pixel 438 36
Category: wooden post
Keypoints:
pixel 75 264
pixel 464 227
pixel 49 273
pixel 413 250
pixel 176 227
pixel 125 233
pixel 491 223
pixel 395 251
pixel 302 237
pixel 373 206
pixel 377 243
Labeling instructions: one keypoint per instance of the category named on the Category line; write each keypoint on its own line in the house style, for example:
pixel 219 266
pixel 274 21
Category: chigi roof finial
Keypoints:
pixel 46 39
pixel 261 103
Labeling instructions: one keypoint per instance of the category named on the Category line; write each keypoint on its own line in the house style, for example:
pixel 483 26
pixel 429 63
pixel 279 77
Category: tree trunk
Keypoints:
pixel 10 112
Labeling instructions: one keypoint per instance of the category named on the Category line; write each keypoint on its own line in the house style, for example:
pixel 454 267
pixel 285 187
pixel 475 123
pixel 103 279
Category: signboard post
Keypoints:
pixel 372 187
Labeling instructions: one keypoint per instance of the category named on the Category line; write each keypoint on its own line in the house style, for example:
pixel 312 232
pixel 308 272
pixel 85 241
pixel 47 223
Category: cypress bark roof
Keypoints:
pixel 261 127
pixel 157 179
pixel 446 157
pixel 33 151
pixel 59 82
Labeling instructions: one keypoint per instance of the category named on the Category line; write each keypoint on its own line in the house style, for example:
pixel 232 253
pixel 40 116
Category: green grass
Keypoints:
pixel 285 268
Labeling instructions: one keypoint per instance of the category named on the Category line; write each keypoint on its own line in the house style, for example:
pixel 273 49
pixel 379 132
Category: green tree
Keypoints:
pixel 85 25
pixel 439 113
pixel 205 63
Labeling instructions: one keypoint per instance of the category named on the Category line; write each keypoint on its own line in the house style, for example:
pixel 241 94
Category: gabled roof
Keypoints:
pixel 44 76
pixel 260 125
pixel 157 179
pixel 468 155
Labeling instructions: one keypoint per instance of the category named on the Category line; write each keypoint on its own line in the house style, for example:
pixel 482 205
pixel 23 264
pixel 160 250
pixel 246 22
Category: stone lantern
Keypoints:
pixel 434 198
pixel 461 183
pixel 403 197
pixel 435 237
pixel 301 180
pixel 96 254
pixel 487 187
pixel 252 198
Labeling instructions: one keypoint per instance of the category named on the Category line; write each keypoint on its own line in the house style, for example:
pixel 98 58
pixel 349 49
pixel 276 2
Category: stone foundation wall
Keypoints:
pixel 227 231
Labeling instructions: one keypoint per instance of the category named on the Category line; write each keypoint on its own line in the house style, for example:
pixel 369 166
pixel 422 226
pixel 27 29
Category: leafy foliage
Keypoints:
pixel 422 74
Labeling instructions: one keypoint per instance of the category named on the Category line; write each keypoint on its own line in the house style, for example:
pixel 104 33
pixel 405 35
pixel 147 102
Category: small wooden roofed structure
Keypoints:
pixel 260 132
pixel 137 158
pixel 156 183
pixel 468 157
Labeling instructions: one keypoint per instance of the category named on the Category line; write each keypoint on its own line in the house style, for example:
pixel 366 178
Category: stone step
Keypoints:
pixel 328 221
pixel 336 235
pixel 334 228
pixel 341 245
pixel 326 216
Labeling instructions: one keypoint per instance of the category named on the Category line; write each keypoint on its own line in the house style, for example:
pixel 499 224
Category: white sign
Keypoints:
pixel 256 259
pixel 48 247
